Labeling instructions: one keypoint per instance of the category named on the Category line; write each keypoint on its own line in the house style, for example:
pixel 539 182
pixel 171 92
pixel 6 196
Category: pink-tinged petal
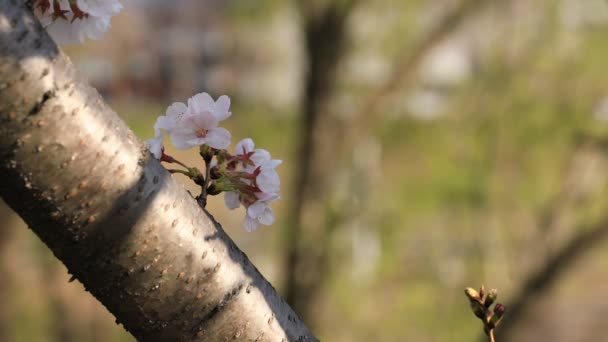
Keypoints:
pixel 176 110
pixel 261 212
pixel 267 217
pixel 244 146
pixel 268 181
pixel 155 145
pixel 232 200
pixel 218 138
pixel 203 121
pixel 271 164
pixel 99 7
pixel 182 141
pixel 201 102
pixel 250 224
pixel 260 156
pixel 222 108
pixel 69 29
pixel 164 122
pixel 256 209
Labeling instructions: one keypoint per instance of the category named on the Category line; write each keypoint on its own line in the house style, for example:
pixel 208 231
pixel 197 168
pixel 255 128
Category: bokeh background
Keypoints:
pixel 427 146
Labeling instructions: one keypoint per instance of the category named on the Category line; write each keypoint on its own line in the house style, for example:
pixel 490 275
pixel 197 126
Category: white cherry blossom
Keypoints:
pixel 193 125
pixel 264 187
pixel 73 22
pixel 197 123
pixel 267 179
pixel 258 213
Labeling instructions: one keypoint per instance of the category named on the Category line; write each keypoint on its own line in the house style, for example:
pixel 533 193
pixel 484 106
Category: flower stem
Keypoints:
pixel 203 194
pixel 180 163
pixel 187 173
pixel 491 335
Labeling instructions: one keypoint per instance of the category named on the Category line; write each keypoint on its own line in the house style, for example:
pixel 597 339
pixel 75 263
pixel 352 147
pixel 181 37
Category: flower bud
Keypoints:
pixel 478 309
pixel 471 293
pixel 215 173
pixel 490 298
pixel 206 152
pixel 214 189
pixel 499 311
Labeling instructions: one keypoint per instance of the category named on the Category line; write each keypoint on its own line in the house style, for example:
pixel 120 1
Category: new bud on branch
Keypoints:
pixel 481 303
pixel 247 177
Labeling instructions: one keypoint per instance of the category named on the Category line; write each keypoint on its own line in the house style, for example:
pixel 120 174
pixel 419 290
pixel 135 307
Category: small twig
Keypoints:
pixel 480 304
pixel 207 153
pixel 205 185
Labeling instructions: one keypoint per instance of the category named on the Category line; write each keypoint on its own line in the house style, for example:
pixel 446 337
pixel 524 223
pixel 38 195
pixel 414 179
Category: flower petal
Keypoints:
pixel 155 145
pixel 267 217
pixel 232 200
pixel 268 181
pixel 271 164
pixel 260 156
pixel 176 110
pixel 222 108
pixel 218 138
pixel 256 209
pixel 204 121
pixel 164 122
pixel 183 140
pixel 99 7
pixel 244 146
pixel 250 224
pixel 201 102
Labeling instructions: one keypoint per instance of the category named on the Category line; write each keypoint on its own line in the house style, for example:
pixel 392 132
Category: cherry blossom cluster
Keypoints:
pixel 73 21
pixel 247 177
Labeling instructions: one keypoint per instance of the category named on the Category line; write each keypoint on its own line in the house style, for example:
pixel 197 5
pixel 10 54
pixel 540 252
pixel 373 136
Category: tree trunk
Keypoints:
pixel 133 236
pixel 325 35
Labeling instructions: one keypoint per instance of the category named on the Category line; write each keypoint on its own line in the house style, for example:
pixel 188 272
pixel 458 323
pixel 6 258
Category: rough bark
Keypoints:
pixel 132 235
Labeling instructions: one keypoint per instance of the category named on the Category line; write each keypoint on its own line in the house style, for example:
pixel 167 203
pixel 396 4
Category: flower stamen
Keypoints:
pixel 201 132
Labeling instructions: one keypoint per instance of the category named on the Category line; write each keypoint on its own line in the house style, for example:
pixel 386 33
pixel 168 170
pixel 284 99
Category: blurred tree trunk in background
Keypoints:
pixel 328 145
pixel 324 29
pixel 132 235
